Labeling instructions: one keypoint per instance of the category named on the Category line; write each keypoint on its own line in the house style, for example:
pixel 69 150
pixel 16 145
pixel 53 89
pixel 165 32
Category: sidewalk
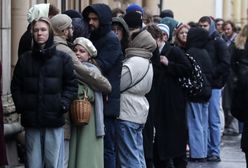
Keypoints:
pixel 231 155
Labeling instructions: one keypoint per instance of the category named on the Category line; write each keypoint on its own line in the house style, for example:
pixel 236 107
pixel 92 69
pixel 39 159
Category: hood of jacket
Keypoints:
pixel 122 23
pixel 44 53
pixel 105 18
pixel 197 37
pixel 142 45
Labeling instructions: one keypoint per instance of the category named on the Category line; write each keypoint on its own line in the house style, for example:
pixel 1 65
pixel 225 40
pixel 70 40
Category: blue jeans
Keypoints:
pixel 110 143
pixel 130 144
pixel 197 118
pixel 214 139
pixel 45 147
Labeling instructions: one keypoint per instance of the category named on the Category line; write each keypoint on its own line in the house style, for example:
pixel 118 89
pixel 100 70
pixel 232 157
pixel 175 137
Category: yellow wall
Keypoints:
pixel 189 10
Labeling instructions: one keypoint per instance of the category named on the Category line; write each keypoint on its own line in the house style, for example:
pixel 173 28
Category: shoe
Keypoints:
pixel 197 159
pixel 213 159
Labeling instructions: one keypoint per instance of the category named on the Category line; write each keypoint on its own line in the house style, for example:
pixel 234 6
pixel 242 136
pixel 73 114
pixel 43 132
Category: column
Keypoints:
pixel 244 14
pixel 237 12
pixel 218 8
pixel 227 10
pixel 152 6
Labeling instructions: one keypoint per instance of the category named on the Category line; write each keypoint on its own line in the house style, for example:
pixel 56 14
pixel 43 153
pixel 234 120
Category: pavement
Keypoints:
pixel 231 155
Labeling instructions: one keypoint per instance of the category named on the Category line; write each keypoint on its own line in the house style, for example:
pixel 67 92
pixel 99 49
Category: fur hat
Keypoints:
pixel 135 8
pixel 133 20
pixel 37 11
pixel 164 28
pixel 60 22
pixel 87 44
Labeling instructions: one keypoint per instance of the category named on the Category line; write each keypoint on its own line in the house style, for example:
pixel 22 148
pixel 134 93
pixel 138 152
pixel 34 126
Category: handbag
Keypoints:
pixel 81 108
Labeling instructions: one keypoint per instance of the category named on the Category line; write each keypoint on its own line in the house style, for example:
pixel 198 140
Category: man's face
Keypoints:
pixel 94 22
pixel 219 25
pixel 41 32
pixel 204 25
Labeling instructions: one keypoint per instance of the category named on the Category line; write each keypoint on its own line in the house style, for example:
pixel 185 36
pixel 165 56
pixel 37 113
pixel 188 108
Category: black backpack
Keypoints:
pixel 193 84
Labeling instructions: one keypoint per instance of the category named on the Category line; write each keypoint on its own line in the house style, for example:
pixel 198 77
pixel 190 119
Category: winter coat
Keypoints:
pixel 197 38
pixel 170 118
pixel 137 66
pixel 109 55
pixel 220 56
pixel 43 87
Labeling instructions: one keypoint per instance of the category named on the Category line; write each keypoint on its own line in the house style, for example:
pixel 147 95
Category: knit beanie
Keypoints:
pixel 133 19
pixel 87 44
pixel 37 11
pixel 135 8
pixel 164 28
pixel 60 22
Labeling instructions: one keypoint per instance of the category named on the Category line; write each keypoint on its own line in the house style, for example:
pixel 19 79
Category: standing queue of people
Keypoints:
pixel 142 116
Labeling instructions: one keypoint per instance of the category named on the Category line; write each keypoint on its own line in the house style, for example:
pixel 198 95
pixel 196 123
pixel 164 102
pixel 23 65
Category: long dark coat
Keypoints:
pixel 3 158
pixel 170 119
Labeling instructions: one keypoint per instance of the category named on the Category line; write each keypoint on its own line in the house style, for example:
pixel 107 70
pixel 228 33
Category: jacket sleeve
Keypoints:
pixel 85 74
pixel 223 57
pixel 16 86
pixel 70 86
pixel 179 65
pixel 93 78
pixel 109 55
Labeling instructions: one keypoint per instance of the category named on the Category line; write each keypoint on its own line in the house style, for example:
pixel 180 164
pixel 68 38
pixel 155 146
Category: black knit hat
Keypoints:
pixel 133 20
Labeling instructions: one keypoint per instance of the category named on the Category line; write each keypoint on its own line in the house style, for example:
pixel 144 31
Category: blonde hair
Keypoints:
pixel 241 38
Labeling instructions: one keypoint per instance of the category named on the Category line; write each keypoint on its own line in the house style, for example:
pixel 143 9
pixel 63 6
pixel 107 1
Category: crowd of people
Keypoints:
pixel 161 90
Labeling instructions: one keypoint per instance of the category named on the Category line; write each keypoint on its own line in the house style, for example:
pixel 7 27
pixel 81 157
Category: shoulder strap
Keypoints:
pixel 138 80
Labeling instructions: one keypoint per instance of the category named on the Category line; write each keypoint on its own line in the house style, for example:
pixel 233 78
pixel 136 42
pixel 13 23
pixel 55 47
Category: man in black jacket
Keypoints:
pixel 99 17
pixel 220 57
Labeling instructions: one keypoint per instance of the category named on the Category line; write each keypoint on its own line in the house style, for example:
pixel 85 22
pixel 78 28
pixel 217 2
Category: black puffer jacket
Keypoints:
pixel 43 87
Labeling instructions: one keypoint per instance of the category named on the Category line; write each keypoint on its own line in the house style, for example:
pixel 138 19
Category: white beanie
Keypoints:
pixel 37 11
pixel 87 44
pixel 60 22
pixel 164 28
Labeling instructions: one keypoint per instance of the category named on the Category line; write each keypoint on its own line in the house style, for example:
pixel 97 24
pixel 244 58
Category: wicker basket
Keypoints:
pixel 81 111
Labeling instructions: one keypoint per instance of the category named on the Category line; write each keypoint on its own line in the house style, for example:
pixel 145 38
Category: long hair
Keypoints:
pixel 241 38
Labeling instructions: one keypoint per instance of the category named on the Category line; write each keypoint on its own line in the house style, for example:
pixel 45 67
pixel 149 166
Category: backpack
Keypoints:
pixel 193 84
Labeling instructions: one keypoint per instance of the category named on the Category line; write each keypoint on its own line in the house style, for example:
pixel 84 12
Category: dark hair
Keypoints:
pixel 53 10
pixel 205 19
pixel 231 23
pixel 167 13
pixel 115 11
pixel 218 19
pixel 155 31
pixel 192 24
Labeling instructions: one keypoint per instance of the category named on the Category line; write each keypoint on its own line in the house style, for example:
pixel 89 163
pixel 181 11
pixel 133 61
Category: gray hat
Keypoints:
pixel 60 22
pixel 87 44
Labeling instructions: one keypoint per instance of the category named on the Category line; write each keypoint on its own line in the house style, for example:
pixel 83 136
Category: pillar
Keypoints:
pixel 244 13
pixel 152 6
pixel 237 12
pixel 227 10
